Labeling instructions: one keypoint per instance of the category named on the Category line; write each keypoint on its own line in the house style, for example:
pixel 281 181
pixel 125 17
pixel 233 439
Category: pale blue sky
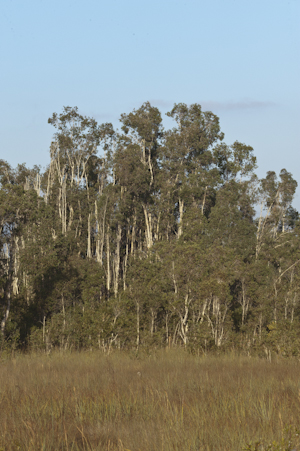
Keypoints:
pixel 238 58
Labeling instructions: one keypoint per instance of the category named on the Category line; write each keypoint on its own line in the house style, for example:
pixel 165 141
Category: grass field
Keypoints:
pixel 167 401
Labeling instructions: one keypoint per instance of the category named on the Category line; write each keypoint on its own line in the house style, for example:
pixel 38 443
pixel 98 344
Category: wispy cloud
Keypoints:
pixel 239 105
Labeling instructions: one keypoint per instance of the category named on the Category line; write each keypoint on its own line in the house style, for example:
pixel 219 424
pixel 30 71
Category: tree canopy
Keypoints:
pixel 148 237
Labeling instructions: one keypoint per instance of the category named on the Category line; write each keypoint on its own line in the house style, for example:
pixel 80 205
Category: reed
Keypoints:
pixel 165 401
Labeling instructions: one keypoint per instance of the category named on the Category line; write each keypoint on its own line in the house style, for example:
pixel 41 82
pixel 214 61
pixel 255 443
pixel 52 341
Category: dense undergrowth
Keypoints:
pixel 166 400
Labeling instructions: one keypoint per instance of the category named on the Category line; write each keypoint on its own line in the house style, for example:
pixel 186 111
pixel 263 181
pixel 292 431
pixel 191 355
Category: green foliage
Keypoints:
pixel 290 441
pixel 146 238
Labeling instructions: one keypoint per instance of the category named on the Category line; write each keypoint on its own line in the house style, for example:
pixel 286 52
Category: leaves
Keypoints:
pixel 148 236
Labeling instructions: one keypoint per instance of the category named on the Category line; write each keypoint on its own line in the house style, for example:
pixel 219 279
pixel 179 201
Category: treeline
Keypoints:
pixel 148 237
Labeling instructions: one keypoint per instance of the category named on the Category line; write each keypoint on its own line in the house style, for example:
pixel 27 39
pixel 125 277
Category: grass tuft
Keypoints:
pixel 167 401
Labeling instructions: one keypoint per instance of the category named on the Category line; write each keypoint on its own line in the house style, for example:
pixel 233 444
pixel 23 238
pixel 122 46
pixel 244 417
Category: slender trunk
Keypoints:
pixel 151 168
pixel 184 326
pixel 89 250
pixel 100 227
pixel 218 320
pixel 140 244
pixel 204 199
pixel 71 215
pixel 62 207
pixel 125 265
pixel 9 256
pixel 286 306
pixel 181 207
pixel 117 260
pixel 153 316
pixel 143 152
pixel 37 184
pixel 108 262
pixel 245 303
pixel 148 231
pixel 6 313
pixel 133 233
pixel 50 180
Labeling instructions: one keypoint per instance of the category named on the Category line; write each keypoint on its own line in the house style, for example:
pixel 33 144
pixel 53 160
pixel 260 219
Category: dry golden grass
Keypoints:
pixel 168 401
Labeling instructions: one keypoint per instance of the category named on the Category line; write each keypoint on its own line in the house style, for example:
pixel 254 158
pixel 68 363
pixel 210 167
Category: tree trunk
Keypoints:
pixel 181 207
pixel 117 260
pixel 148 231
pixel 108 262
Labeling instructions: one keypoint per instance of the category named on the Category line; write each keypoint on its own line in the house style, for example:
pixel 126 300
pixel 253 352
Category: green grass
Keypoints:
pixel 167 401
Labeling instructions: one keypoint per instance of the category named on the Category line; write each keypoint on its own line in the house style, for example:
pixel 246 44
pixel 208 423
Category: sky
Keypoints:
pixel 239 59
